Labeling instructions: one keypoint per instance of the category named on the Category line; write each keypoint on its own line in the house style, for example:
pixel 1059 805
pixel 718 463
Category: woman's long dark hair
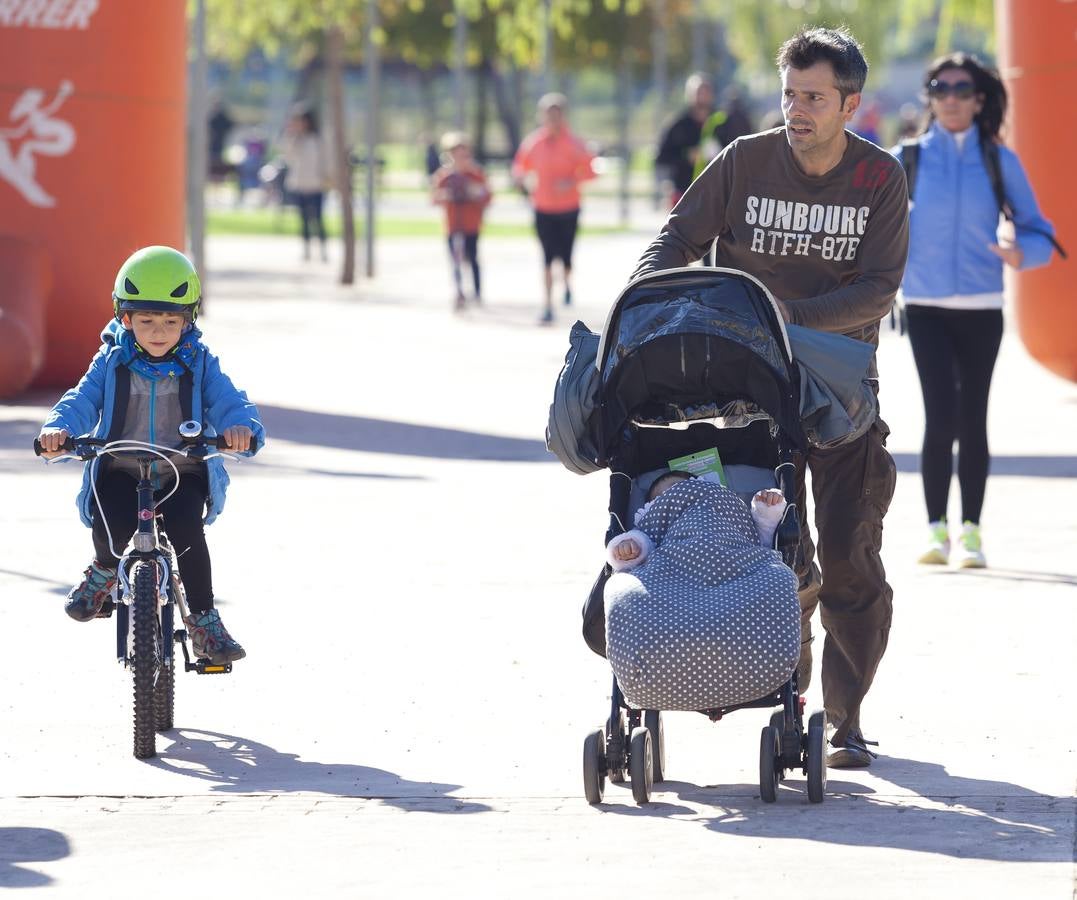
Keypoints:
pixel 988 83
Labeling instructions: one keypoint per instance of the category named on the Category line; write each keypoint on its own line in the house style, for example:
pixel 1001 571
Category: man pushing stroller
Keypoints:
pixel 821 217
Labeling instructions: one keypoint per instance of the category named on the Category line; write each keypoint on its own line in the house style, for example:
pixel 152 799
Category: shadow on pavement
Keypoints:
pixel 1023 466
pixel 20 846
pixel 57 587
pixel 382 436
pixel 946 815
pixel 236 764
pixel 990 574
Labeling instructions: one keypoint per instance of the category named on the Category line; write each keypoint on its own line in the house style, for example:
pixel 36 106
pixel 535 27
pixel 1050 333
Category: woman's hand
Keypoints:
pixel 626 550
pixel 238 438
pixel 52 440
pixel 1010 254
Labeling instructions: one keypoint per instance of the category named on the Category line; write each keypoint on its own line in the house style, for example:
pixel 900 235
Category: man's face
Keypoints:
pixel 815 116
pixel 704 98
pixel 553 117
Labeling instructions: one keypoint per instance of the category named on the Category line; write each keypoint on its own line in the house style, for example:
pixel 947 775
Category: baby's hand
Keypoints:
pixel 769 497
pixel 626 550
pixel 238 438
pixel 51 440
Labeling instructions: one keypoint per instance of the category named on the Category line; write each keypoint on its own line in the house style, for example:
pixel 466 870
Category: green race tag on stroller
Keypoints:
pixel 705 462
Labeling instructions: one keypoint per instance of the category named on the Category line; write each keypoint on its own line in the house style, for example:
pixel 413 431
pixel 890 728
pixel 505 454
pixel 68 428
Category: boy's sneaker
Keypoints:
pixel 211 640
pixel 938 549
pixel 970 552
pixel 85 601
pixel 546 318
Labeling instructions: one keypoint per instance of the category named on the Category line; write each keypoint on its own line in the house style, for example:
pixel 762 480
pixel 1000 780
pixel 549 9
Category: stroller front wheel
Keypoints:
pixel 769 765
pixel 594 766
pixel 641 764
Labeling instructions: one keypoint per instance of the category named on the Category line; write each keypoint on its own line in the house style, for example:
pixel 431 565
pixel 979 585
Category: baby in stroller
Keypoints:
pixel 709 617
pixel 631 548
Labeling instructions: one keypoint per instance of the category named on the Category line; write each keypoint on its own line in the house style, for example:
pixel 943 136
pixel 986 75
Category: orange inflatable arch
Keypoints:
pixel 1038 60
pixel 92 156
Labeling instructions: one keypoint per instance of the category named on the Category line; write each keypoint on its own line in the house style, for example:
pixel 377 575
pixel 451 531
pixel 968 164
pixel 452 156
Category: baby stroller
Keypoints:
pixel 692 359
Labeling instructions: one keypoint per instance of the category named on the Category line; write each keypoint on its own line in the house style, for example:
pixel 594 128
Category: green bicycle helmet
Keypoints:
pixel 157 279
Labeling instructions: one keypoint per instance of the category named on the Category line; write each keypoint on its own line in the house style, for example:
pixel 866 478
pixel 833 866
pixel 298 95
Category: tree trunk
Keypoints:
pixel 624 101
pixel 342 164
pixel 482 92
pixel 428 103
pixel 508 109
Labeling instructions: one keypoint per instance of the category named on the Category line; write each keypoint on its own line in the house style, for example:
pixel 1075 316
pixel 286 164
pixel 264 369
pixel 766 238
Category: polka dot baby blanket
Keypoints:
pixel 711 618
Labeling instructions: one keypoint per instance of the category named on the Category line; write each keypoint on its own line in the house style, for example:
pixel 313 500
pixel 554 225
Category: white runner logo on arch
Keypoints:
pixel 33 130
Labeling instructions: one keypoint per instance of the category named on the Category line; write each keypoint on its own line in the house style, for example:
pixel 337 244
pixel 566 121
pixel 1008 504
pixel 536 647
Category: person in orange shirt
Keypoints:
pixel 460 186
pixel 556 162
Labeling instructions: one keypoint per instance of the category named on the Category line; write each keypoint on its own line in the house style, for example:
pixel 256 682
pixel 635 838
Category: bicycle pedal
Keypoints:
pixel 105 612
pixel 205 667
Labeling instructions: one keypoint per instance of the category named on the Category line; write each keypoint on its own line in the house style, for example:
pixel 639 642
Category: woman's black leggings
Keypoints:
pixel 310 213
pixel 955 352
pixel 183 522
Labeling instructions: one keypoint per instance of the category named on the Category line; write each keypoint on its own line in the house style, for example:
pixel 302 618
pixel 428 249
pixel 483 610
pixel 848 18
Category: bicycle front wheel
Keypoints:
pixel 146 657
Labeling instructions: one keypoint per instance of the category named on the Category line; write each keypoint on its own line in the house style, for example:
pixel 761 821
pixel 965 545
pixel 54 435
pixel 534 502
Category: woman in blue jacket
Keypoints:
pixel 952 289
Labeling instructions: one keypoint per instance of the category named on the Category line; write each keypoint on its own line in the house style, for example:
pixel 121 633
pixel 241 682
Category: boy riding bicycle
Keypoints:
pixel 152 373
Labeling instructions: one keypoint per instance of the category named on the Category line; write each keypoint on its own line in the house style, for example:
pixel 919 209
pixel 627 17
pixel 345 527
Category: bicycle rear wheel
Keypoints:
pixel 146 657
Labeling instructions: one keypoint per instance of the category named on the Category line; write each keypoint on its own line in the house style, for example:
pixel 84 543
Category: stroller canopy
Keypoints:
pixel 688 343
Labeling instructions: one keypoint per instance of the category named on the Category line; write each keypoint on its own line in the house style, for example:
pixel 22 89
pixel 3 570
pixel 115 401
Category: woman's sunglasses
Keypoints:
pixel 962 90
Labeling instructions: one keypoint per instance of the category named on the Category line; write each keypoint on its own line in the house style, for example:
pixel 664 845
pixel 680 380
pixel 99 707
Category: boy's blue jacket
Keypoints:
pixel 953 217
pixel 90 406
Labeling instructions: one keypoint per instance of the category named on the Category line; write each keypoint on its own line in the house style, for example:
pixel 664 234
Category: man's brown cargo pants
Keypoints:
pixel 852 487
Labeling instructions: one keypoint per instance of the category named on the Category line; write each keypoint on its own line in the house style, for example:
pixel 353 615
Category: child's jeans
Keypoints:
pixel 183 523
pixel 464 248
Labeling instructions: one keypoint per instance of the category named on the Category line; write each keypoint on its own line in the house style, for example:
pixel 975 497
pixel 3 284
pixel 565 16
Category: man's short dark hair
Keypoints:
pixel 666 478
pixel 836 46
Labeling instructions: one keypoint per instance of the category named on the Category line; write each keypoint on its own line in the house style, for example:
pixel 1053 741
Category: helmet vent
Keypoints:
pixel 180 291
pixel 129 286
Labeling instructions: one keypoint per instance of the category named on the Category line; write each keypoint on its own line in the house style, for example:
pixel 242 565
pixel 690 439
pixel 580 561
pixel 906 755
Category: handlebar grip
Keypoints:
pixel 68 445
pixel 222 442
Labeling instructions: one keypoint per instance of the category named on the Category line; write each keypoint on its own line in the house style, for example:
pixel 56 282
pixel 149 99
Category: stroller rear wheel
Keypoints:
pixel 652 719
pixel 594 766
pixel 816 761
pixel 769 764
pixel 641 764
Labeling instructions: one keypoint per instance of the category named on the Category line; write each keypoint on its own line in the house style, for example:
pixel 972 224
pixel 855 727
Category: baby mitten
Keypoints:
pixel 646 545
pixel 767 517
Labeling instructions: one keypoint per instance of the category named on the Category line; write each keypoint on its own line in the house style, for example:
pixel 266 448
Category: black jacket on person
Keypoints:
pixel 674 149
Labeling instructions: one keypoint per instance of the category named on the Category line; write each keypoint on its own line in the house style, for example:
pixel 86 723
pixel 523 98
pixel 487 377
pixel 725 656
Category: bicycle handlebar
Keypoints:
pixel 87 448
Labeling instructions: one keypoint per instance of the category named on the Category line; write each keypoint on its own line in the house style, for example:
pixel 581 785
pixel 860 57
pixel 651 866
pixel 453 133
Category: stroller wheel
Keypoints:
pixel 769 764
pixel 641 764
pixel 652 718
pixel 616 773
pixel 816 762
pixel 594 764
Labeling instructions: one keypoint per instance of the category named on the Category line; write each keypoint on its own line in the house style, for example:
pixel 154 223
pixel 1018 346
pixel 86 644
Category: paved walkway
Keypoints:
pixel 405 566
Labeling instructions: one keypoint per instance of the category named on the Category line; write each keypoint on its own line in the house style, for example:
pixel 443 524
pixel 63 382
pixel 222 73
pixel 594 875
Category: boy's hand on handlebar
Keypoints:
pixel 52 441
pixel 238 438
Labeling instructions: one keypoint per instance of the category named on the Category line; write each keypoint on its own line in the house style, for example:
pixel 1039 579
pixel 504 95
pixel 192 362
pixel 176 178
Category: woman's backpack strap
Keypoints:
pixel 910 159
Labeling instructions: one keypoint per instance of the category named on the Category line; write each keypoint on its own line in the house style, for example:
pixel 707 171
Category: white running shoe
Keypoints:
pixel 970 549
pixel 938 549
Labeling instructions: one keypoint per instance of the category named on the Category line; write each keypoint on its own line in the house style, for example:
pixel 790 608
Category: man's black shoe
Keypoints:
pixel 853 754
